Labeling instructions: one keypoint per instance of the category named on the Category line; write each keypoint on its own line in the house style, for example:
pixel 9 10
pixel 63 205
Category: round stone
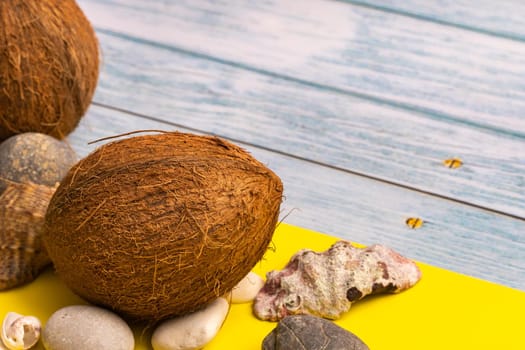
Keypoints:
pixel 305 332
pixel 84 327
pixel 34 157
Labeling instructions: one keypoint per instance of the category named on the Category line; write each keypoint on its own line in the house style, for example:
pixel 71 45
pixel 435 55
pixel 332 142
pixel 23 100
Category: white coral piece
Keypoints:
pixel 326 284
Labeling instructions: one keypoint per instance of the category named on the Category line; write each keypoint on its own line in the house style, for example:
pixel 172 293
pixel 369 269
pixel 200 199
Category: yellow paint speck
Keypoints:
pixel 453 163
pixel 414 223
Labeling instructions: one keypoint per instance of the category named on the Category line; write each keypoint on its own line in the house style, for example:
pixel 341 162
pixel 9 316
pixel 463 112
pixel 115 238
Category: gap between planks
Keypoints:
pixel 316 162
pixel 427 18
pixel 370 39
pixel 455 237
pixel 427 112
pixel 219 78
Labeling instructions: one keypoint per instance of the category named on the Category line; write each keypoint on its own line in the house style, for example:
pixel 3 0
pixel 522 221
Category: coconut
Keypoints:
pixel 159 225
pixel 48 66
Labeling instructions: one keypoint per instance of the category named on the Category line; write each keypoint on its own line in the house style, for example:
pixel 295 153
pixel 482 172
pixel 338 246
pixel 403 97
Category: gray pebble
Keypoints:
pixel 84 327
pixel 305 332
pixel 34 157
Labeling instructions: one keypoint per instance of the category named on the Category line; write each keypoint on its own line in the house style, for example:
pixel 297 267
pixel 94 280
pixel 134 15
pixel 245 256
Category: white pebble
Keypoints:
pixel 246 290
pixel 192 331
pixel 84 327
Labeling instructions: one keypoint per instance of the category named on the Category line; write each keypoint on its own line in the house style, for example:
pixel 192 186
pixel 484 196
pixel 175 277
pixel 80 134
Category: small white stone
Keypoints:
pixel 192 331
pixel 246 290
pixel 85 327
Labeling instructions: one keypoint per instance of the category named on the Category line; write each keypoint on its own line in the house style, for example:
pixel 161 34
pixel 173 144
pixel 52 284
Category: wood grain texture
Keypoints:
pixel 454 236
pixel 503 18
pixel 329 128
pixel 447 73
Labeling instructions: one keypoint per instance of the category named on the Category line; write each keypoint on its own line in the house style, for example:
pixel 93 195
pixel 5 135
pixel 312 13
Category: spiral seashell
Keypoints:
pixel 22 253
pixel 19 332
pixel 326 284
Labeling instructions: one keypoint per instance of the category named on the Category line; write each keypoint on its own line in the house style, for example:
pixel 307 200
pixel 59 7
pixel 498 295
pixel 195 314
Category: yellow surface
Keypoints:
pixel 445 310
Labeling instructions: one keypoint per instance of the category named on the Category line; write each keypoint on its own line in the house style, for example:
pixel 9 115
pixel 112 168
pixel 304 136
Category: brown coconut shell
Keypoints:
pixel 22 253
pixel 160 225
pixel 49 65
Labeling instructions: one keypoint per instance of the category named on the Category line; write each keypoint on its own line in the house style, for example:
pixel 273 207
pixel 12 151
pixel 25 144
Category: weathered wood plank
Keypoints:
pixel 505 18
pixel 454 236
pixel 449 74
pixel 322 126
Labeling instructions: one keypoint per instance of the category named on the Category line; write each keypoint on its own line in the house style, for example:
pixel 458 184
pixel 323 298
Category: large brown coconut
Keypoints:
pixel 49 63
pixel 159 225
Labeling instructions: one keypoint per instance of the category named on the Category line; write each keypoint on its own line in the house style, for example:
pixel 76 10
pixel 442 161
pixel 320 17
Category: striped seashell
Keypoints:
pixel 22 211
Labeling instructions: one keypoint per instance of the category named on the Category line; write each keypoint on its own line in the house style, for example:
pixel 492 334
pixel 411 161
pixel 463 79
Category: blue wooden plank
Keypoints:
pixel 454 236
pixel 394 60
pixel 504 18
pixel 329 128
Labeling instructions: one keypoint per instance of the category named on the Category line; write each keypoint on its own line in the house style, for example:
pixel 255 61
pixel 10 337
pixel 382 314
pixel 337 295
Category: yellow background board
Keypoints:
pixel 445 310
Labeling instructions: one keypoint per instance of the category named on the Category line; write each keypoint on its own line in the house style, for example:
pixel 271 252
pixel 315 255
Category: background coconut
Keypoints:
pixel 159 225
pixel 48 66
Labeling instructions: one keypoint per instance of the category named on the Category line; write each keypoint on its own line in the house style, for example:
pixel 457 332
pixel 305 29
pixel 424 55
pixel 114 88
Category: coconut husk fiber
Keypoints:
pixel 159 225
pixel 49 65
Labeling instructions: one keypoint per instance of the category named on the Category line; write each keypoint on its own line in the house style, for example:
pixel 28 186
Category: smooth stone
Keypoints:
pixel 85 327
pixel 306 332
pixel 192 331
pixel 246 290
pixel 34 157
